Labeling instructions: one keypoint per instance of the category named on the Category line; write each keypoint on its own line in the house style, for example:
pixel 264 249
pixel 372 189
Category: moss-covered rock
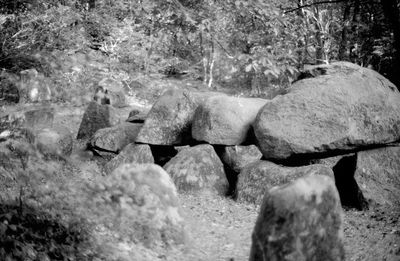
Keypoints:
pixel 300 221
pixel 140 201
pixel 198 169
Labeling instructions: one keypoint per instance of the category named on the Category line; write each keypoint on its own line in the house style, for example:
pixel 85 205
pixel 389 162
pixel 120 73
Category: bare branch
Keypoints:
pixel 316 3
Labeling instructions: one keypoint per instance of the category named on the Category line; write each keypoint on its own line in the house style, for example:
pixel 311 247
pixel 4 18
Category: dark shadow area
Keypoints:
pixel 349 192
pixel 250 138
pixel 312 158
pixel 310 73
pixel 28 234
pixel 162 153
pixel 231 175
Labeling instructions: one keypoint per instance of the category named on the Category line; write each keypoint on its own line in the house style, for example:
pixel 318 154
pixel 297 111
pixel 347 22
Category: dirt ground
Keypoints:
pixel 220 228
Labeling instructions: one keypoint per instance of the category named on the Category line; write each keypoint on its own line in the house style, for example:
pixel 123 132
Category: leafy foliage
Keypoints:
pixel 32 235
pixel 257 46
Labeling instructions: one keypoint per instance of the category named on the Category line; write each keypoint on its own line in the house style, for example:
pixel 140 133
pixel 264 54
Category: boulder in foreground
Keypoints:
pixel 348 107
pixel 300 221
pixel 142 204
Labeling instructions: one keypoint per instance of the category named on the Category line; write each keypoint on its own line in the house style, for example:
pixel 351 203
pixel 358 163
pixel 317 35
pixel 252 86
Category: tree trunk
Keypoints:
pixel 211 65
pixel 343 40
pixel 354 28
pixel 92 4
pixel 392 14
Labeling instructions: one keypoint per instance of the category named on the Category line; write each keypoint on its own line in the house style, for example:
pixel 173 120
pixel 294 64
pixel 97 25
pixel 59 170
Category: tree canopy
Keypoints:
pixel 256 44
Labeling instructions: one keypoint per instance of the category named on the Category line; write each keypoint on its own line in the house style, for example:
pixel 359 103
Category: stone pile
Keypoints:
pixel 331 139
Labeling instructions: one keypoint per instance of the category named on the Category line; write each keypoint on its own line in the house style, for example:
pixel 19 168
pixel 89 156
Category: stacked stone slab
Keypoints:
pixel 346 109
pixel 225 120
pixel 347 120
pixel 169 120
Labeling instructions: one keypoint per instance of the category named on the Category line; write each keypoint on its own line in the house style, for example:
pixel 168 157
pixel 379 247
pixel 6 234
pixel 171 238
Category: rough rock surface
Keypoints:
pixel 346 108
pixel 198 169
pixel 237 157
pixel 137 116
pixel 144 202
pixel 54 142
pixel 378 175
pixel 170 118
pixel 367 177
pixel 114 139
pixel 132 153
pixel 225 120
pixel 33 117
pixel 300 221
pixel 256 178
pixel 96 117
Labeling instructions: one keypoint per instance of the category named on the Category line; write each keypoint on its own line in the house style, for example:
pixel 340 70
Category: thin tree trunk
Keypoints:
pixel 392 14
pixel 354 28
pixel 92 4
pixel 204 59
pixel 149 53
pixel 211 65
pixel 318 38
pixel 343 40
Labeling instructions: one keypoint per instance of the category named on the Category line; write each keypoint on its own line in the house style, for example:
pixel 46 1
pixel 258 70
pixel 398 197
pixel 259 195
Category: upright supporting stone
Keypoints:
pixel 300 221
pixel 97 117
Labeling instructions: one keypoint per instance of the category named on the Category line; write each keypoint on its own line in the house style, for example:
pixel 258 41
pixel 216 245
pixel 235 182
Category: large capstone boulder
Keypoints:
pixel 97 117
pixel 54 142
pixel 132 153
pixel 170 118
pixel 258 177
pixel 32 117
pixel 114 139
pixel 237 157
pixel 198 169
pixel 225 120
pixel 347 107
pixel 300 221
pixel 141 203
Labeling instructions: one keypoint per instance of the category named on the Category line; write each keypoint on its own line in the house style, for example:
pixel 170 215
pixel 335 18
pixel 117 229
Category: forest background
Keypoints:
pixel 257 46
